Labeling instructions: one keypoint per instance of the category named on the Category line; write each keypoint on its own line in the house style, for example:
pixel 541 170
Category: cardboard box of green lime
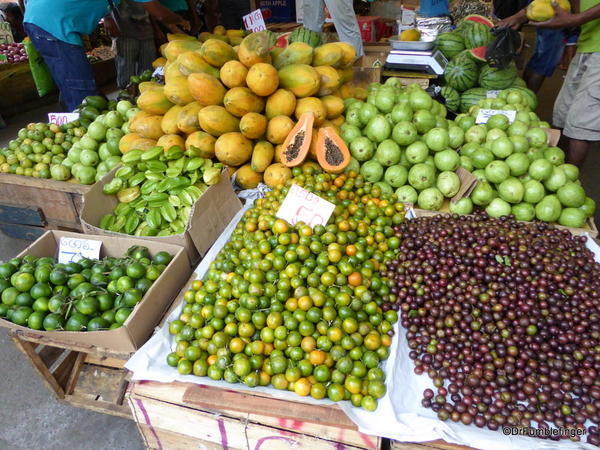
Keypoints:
pixel 175 199
pixel 97 303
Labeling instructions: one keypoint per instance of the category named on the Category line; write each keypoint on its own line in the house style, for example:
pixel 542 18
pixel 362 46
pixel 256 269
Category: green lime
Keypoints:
pixel 98 279
pixel 58 277
pixel 6 270
pixel 24 299
pixel 77 322
pixel 97 323
pixel 53 322
pixel 131 297
pixel 56 304
pixel 42 273
pixel 39 290
pixel 124 283
pixel 109 315
pixel 21 314
pixel 106 301
pixel 122 314
pixel 143 284
pixel 73 267
pixel 75 280
pixel 9 296
pixel 22 281
pixel 41 304
pixel 116 273
pixel 88 305
pixel 136 271
pixel 162 258
pixel 172 359
pixel 36 320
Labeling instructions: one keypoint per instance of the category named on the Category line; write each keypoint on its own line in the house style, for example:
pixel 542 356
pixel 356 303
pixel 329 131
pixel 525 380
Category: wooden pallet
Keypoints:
pixel 29 206
pixel 87 378
pixel 183 415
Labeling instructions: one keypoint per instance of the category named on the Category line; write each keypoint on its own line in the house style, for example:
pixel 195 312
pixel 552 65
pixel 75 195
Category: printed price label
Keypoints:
pixel 73 249
pixel 62 118
pixel 485 114
pixel 301 205
pixel 254 21
pixel 492 94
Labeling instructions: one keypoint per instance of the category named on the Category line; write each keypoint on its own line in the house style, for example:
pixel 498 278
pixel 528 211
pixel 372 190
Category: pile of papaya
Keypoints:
pixel 241 100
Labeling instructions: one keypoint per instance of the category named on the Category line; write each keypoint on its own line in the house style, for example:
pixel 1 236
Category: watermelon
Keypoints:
pixel 307 36
pixel 461 74
pixel 477 35
pixel 478 54
pixel 450 44
pixel 479 19
pixel 471 98
pixel 497 79
pixel 452 98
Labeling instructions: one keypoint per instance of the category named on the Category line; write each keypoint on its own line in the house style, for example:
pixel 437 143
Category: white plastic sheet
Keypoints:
pixel 399 416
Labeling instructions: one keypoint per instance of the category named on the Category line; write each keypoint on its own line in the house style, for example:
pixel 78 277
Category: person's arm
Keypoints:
pixel 564 19
pixel 164 15
pixel 195 22
pixel 515 21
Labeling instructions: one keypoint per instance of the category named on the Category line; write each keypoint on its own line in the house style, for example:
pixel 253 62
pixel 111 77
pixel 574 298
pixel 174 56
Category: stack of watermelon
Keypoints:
pixel 467 77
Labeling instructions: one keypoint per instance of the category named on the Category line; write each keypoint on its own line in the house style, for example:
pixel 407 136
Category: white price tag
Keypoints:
pixel 301 205
pixel 62 118
pixel 254 21
pixel 73 249
pixel 492 94
pixel 485 114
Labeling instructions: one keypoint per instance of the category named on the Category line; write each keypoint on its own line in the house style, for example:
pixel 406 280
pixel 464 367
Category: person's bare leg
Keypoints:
pixel 533 80
pixel 577 151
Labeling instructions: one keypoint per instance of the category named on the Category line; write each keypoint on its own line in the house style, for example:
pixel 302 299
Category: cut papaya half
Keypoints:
pixel 297 143
pixel 332 153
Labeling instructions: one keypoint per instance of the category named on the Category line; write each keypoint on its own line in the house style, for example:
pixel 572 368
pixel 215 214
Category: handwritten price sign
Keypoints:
pixel 485 114
pixel 62 118
pixel 254 21
pixel 74 249
pixel 301 205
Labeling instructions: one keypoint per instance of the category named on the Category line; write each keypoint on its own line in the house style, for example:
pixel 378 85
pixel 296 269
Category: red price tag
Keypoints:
pixel 62 118
pixel 301 205
pixel 254 21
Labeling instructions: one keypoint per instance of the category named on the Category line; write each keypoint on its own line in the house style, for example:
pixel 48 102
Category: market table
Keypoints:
pixel 29 205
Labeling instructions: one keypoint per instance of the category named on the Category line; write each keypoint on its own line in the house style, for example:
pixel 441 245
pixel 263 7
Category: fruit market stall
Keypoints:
pixel 342 305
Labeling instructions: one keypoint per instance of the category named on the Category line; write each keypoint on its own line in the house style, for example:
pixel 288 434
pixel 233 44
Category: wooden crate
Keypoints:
pixel 184 416
pixel 84 377
pixel 29 206
pixel 439 444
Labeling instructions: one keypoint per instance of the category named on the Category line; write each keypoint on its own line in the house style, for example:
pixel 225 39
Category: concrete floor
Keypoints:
pixel 30 417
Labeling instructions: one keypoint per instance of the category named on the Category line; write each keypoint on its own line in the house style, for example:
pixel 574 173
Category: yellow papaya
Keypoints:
pixel 154 101
pixel 192 62
pixel 187 119
pixel 215 120
pixel 241 100
pixel 280 103
pixel 233 74
pixel 247 178
pixel 302 79
pixel 233 149
pixel 206 89
pixel 262 156
pixel 201 143
pixel 169 120
pixel 216 52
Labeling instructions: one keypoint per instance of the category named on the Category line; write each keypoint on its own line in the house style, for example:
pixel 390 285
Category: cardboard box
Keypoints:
pixel 211 213
pixel 145 315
